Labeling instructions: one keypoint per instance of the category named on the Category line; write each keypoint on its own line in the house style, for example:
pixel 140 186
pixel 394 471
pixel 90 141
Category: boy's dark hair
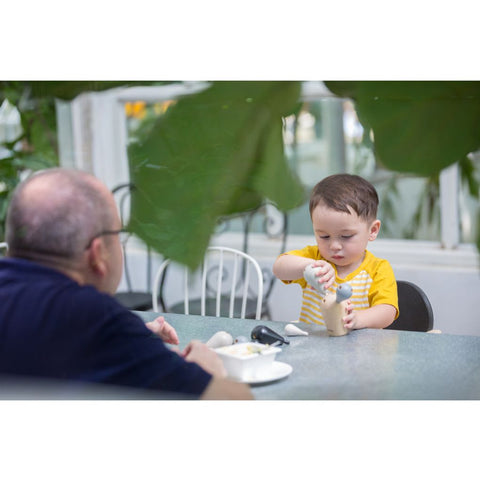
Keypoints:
pixel 341 191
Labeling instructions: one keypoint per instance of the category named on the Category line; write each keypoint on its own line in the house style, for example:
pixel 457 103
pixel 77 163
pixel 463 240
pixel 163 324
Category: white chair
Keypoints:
pixel 231 285
pixel 264 223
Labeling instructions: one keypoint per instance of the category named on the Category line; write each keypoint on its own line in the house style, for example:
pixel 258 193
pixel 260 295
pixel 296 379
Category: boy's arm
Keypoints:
pixel 382 298
pixel 378 316
pixel 290 267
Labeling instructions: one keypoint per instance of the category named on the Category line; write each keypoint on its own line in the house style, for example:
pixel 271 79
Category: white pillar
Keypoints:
pixel 449 207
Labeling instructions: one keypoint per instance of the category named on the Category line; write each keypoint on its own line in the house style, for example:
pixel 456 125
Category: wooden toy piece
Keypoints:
pixel 332 304
pixel 333 307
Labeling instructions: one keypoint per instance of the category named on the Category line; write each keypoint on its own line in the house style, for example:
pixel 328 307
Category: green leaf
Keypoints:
pixel 467 174
pixel 69 90
pixel 215 153
pixel 419 127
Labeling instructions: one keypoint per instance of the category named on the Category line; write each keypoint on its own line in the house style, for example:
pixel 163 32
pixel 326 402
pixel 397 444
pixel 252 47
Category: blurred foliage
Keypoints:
pixel 220 151
pixel 212 154
pixel 428 207
pixel 420 128
pixel 35 146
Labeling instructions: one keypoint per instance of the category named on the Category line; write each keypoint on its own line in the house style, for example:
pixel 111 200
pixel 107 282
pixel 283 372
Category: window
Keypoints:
pixel 468 206
pixel 326 138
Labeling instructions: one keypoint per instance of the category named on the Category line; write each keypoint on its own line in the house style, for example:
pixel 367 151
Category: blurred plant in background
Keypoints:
pixel 422 128
pixel 28 137
pixel 219 151
pixel 28 129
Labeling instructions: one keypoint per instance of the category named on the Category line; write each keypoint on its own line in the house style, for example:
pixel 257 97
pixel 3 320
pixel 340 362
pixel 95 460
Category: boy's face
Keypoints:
pixel 342 237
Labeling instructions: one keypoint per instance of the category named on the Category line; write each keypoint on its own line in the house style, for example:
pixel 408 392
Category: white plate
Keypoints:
pixel 277 371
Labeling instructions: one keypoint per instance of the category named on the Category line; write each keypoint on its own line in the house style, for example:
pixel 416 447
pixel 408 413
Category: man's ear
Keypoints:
pixel 374 229
pixel 96 262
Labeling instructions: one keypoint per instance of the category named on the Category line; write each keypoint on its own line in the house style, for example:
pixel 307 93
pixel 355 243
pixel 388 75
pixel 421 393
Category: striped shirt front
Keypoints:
pixel 373 283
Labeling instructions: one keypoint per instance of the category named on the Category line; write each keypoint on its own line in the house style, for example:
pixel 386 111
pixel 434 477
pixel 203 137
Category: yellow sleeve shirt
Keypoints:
pixel 373 283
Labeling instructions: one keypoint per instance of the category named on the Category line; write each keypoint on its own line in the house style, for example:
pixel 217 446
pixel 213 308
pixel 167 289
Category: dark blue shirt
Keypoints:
pixel 52 327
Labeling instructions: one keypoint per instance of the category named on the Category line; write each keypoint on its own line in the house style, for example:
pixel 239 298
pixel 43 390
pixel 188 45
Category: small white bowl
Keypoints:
pixel 247 360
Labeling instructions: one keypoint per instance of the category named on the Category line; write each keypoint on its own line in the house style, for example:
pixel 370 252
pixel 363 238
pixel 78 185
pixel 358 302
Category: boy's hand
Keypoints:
pixel 351 319
pixel 325 273
pixel 378 316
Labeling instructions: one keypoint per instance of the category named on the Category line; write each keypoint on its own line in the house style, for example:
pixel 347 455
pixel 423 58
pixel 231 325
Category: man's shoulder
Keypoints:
pixel 22 267
pixel 92 307
pixel 46 287
pixel 88 297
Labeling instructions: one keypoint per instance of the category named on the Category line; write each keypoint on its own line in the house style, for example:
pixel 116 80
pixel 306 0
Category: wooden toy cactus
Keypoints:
pixel 333 305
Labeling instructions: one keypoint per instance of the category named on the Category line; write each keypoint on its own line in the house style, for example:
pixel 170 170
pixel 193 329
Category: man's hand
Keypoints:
pixel 204 356
pixel 164 330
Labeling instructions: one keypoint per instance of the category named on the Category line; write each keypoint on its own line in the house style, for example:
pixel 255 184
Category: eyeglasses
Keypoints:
pixel 124 236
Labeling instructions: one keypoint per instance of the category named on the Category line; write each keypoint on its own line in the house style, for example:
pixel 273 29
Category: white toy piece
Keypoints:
pixel 310 275
pixel 220 339
pixel 293 331
pixel 333 305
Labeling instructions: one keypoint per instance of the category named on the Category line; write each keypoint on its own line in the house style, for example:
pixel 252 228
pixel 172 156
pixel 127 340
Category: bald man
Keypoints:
pixel 58 317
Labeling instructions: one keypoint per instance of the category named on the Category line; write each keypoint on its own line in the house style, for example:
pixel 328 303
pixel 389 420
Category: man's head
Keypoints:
pixel 343 191
pixel 53 217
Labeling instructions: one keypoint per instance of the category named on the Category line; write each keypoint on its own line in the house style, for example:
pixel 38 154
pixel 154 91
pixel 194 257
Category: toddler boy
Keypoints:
pixel 343 209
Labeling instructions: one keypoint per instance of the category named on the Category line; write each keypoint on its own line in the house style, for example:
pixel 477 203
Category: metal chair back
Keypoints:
pixel 223 285
pixel 266 222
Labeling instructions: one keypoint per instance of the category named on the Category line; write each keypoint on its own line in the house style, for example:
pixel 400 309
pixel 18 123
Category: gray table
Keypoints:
pixel 366 364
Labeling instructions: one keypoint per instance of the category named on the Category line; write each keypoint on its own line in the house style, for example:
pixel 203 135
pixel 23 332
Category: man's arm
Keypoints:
pixel 219 388
pixel 223 389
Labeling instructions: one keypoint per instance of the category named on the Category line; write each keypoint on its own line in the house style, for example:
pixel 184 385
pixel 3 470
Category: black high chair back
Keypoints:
pixel 416 312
